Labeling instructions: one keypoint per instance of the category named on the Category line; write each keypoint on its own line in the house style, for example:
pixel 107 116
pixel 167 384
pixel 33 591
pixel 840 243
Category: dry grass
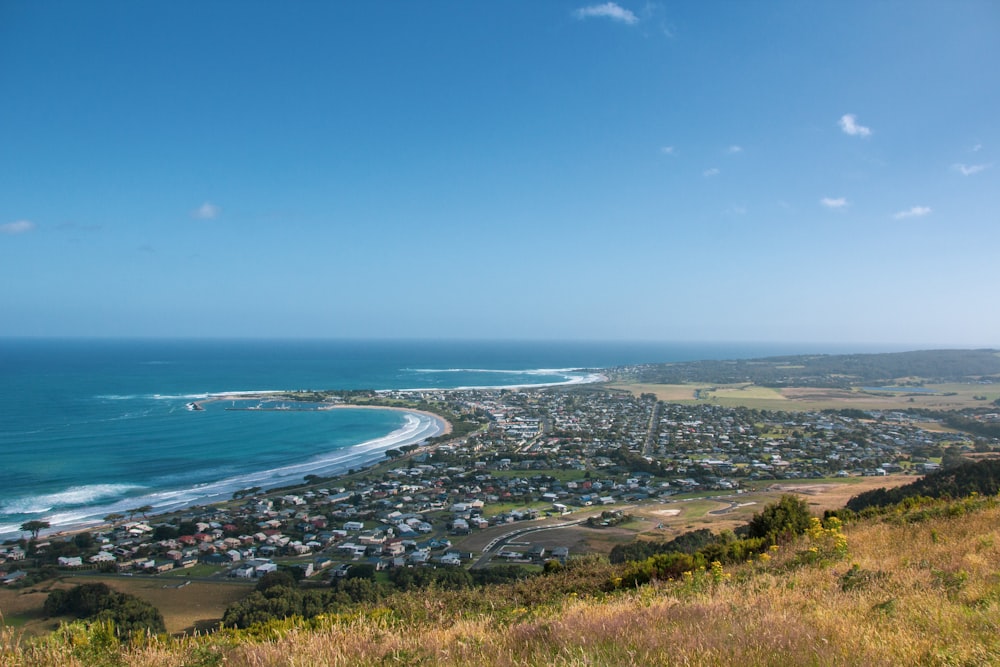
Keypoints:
pixel 925 593
pixel 196 606
pixel 662 521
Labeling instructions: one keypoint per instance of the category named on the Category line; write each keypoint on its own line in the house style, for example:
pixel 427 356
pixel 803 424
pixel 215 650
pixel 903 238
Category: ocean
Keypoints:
pixel 92 427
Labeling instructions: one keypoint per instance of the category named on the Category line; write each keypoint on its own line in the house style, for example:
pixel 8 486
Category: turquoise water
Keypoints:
pixel 93 427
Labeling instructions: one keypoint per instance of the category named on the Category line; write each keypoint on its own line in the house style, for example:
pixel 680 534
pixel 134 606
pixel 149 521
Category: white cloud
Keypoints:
pixel 207 211
pixel 732 150
pixel 977 148
pixel 848 123
pixel 608 10
pixel 913 212
pixel 668 150
pixel 970 169
pixel 17 227
pixel 830 202
pixel 710 172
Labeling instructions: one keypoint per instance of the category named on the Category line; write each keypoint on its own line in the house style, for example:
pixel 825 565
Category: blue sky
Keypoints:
pixel 675 171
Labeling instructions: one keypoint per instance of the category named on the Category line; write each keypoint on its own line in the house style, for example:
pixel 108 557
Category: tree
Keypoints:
pixel 361 571
pixel 788 517
pixel 114 518
pixel 34 527
pixel 143 510
pixel 187 528
pixel 276 579
pixel 166 532
pixel 97 601
pixel 953 456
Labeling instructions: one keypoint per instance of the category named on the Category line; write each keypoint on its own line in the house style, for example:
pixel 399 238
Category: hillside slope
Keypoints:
pixel 918 586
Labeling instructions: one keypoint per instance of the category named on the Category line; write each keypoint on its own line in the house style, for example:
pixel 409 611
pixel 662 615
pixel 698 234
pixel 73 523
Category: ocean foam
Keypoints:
pixel 86 505
pixel 570 375
pixel 72 497
pixel 506 371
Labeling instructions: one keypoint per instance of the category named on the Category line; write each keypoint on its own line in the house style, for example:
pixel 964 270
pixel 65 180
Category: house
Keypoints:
pixel 341 570
pixel 560 554
pixel 394 548
pixel 13 577
pixel 266 568
pixel 214 559
pixel 74 561
pixel 353 550
pixel 244 572
pixel 451 558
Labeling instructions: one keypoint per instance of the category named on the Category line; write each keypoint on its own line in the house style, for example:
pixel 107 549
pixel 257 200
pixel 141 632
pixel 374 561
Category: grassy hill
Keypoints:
pixel 918 584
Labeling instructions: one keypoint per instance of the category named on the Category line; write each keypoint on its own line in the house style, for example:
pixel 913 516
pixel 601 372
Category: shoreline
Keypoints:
pixel 338 462
pixel 446 427
pixel 333 464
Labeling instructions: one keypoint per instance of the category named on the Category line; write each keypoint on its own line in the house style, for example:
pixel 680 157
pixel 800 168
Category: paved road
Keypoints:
pixel 497 543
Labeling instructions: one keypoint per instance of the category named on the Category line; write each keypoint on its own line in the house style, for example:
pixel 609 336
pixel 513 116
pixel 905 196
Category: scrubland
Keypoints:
pixel 918 585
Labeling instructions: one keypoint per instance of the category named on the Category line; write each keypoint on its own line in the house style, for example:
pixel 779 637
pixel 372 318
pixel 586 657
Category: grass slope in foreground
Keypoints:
pixel 918 585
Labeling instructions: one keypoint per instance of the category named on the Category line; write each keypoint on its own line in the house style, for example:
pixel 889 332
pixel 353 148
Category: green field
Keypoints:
pixel 952 396
pixel 196 572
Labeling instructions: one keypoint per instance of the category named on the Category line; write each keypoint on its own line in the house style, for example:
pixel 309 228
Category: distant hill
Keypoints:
pixel 820 370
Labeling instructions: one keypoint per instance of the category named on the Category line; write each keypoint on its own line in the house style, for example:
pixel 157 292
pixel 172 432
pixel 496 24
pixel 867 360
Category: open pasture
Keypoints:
pixel 953 396
pixel 186 606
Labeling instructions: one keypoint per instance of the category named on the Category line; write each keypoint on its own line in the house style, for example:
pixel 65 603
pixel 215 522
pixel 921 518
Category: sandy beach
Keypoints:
pixel 445 424
pixel 337 462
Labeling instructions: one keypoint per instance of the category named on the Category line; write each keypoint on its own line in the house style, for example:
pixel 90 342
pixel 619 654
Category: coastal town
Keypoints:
pixel 527 458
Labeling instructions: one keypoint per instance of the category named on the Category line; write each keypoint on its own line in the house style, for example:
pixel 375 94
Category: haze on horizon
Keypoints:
pixel 714 171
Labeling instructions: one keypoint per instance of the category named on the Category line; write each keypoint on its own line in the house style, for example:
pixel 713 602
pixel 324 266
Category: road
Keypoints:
pixel 497 543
